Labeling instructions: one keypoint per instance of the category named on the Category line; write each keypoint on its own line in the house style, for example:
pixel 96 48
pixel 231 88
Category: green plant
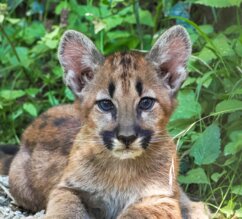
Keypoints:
pixel 207 123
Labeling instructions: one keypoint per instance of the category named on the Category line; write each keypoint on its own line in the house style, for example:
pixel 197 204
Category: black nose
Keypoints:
pixel 127 140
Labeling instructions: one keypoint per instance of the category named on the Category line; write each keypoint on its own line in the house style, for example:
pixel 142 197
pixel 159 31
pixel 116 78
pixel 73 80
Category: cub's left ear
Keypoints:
pixel 80 60
pixel 169 56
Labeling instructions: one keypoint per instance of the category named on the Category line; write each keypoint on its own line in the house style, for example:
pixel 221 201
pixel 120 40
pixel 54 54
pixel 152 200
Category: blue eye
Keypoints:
pixel 105 105
pixel 146 103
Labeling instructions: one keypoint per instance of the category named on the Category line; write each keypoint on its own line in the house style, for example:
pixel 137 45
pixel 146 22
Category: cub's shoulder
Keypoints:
pixel 56 126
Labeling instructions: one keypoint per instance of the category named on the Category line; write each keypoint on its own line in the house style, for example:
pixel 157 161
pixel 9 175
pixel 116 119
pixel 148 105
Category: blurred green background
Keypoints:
pixel 207 124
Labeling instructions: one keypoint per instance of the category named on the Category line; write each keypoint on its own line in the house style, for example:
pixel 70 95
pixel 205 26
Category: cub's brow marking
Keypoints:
pixel 111 89
pixel 139 87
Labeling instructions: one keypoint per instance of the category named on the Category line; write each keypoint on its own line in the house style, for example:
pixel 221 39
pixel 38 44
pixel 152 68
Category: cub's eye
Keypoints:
pixel 105 105
pixel 146 103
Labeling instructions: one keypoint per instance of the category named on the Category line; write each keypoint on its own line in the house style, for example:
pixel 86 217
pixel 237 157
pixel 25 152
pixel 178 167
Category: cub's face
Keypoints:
pixel 127 98
pixel 129 105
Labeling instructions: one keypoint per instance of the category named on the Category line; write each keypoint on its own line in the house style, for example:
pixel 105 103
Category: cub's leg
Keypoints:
pixel 193 210
pixel 153 208
pixel 64 203
pixel 20 184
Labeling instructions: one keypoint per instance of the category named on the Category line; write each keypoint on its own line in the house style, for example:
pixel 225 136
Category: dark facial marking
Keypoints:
pixel 125 60
pixel 107 137
pixel 111 89
pixel 139 87
pixel 145 134
pixel 59 121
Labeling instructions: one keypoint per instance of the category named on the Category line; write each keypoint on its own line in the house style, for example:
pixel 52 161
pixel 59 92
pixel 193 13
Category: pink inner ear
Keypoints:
pixel 177 54
pixel 72 56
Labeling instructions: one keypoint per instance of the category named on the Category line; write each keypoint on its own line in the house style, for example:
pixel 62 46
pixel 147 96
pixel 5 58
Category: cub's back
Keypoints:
pixel 45 146
pixel 54 130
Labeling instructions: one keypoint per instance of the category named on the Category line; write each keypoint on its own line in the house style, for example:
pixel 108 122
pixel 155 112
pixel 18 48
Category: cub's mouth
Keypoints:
pixel 127 146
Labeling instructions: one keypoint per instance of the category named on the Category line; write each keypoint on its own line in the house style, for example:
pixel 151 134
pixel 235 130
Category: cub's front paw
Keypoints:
pixel 146 214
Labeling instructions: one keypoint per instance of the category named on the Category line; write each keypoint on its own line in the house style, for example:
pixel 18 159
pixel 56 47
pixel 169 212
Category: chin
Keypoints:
pixel 123 153
pixel 127 153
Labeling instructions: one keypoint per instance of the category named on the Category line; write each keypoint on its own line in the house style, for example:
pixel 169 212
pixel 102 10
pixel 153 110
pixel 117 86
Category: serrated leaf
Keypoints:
pixel 11 94
pixel 229 106
pixel 197 176
pixel 31 109
pixel 206 148
pixel 188 106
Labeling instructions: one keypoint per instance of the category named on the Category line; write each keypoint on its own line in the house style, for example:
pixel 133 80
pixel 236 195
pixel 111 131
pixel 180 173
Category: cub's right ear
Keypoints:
pixel 79 58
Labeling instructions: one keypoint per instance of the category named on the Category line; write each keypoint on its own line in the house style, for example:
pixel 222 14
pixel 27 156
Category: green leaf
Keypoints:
pixel 117 34
pixel 16 114
pixel 112 22
pixel 13 20
pixel 146 18
pixel 1 18
pixel 206 79
pixel 98 25
pixel 216 176
pixel 217 3
pixel 197 176
pixel 11 94
pixel 69 94
pixel 32 91
pixel 23 54
pixel 237 189
pixel 188 106
pixel 33 32
pixel 31 109
pixel 52 44
pixel 229 106
pixel 235 145
pixel 226 49
pixel 206 54
pixel 62 5
pixel 228 210
pixel 206 148
pixel 238 213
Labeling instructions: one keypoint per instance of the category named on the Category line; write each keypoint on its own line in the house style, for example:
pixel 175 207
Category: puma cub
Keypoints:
pixel 108 155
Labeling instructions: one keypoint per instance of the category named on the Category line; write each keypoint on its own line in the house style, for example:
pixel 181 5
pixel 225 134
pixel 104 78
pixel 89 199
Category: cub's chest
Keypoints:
pixel 106 204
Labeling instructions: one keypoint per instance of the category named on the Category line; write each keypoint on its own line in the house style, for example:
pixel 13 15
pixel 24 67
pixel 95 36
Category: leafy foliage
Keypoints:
pixel 207 123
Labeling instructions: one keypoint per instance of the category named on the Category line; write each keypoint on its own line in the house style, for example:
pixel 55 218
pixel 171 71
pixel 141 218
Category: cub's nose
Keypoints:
pixel 127 140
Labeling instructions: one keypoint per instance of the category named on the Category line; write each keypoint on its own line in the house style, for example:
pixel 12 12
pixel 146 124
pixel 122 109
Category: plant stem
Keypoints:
pixel 11 44
pixel 14 51
pixel 137 18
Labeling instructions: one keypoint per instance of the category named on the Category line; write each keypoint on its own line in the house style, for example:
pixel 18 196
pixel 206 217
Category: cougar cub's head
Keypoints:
pixel 127 98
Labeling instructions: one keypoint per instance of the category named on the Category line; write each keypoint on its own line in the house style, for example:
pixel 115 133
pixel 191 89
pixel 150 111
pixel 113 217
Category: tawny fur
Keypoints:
pixel 63 164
